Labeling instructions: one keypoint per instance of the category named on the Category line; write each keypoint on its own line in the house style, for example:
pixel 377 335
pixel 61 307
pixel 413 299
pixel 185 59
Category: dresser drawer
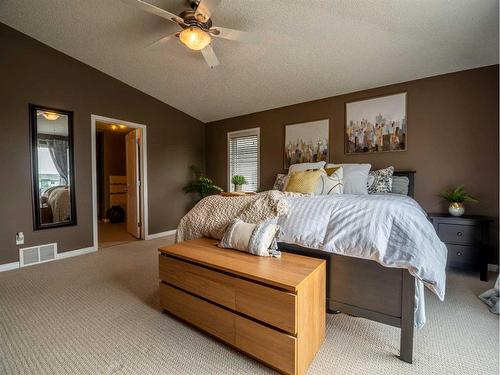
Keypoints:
pixel 202 314
pixel 203 282
pixel 275 348
pixel 463 256
pixel 459 234
pixel 269 305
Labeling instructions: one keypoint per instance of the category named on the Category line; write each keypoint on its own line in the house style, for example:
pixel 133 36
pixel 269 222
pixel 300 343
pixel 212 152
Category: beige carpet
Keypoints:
pixel 99 314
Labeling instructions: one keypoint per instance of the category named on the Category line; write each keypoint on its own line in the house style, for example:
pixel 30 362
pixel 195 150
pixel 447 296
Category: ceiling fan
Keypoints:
pixel 197 29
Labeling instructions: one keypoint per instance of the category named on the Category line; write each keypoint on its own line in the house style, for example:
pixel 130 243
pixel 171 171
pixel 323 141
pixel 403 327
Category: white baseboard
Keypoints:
pixel 66 254
pixel 493 267
pixel 161 234
pixel 74 253
pixel 9 266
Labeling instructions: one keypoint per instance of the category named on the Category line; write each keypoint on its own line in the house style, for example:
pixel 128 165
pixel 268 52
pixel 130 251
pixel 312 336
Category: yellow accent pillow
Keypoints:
pixel 303 182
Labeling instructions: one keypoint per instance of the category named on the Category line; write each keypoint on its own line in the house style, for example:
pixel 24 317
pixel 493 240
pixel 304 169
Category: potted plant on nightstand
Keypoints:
pixel 456 198
pixel 238 182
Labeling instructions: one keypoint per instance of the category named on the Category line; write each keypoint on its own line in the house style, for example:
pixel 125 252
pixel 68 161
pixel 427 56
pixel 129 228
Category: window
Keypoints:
pixel 49 176
pixel 243 157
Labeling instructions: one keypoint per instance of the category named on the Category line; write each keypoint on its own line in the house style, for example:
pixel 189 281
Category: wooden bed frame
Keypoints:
pixel 364 288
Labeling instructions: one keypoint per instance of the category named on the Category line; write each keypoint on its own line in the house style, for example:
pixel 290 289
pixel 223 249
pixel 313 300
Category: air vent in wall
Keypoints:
pixel 37 254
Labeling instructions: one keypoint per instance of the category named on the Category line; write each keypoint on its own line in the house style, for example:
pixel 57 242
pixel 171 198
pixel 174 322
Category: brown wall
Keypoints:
pixel 31 72
pixel 452 137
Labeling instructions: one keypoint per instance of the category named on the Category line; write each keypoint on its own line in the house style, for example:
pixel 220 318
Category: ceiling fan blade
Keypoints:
pixel 154 10
pixel 231 34
pixel 161 41
pixel 205 9
pixel 209 55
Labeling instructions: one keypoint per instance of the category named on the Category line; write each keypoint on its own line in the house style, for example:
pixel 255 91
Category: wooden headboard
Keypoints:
pixel 411 178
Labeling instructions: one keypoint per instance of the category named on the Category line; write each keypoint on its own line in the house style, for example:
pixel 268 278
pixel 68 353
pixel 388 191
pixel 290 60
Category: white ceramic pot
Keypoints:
pixel 456 209
pixel 238 188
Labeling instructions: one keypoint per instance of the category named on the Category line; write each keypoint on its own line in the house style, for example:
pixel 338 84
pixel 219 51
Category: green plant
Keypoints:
pixel 202 185
pixel 239 180
pixel 458 195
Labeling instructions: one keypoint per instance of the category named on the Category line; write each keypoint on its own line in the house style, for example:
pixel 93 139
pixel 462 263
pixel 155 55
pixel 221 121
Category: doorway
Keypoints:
pixel 119 164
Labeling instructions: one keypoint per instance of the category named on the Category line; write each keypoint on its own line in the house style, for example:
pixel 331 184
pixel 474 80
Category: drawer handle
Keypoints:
pixel 459 234
pixel 459 253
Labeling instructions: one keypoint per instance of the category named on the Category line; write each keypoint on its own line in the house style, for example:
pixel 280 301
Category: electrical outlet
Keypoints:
pixel 19 238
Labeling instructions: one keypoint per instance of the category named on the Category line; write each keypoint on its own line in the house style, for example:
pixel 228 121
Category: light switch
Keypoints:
pixel 19 238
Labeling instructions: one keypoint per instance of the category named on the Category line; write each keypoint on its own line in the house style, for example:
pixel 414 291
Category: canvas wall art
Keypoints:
pixel 306 142
pixel 376 125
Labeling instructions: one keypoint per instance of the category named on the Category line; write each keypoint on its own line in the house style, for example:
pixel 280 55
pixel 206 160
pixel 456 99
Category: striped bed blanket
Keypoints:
pixel 391 229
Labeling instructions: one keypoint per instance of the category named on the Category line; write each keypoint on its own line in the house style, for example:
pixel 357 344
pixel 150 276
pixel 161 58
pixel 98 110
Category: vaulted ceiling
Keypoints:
pixel 305 50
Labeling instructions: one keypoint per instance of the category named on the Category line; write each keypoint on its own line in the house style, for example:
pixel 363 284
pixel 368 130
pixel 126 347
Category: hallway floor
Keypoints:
pixel 113 234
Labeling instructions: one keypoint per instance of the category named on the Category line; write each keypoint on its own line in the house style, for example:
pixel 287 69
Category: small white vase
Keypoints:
pixel 456 209
pixel 237 188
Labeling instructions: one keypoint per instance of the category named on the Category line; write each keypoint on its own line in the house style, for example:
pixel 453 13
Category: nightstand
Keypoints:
pixel 466 238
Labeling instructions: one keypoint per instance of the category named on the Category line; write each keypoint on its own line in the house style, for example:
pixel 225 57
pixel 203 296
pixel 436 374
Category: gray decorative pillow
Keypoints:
pixel 400 185
pixel 279 182
pixel 380 181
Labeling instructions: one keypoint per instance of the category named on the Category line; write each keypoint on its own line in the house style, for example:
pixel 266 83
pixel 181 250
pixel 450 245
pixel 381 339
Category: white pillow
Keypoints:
pixel 300 167
pixel 355 177
pixel 333 184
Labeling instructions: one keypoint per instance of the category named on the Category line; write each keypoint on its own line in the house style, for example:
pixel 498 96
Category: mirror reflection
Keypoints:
pixel 52 167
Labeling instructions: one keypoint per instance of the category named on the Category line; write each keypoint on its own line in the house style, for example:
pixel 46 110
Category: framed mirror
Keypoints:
pixel 52 167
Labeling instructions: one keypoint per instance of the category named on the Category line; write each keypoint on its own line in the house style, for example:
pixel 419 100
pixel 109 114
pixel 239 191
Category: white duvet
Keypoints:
pixel 390 229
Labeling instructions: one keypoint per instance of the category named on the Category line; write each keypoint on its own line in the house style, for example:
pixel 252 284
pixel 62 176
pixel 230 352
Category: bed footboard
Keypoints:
pixel 364 288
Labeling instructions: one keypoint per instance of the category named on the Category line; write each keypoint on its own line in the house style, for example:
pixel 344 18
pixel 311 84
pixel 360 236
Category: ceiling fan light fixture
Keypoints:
pixel 51 116
pixel 195 38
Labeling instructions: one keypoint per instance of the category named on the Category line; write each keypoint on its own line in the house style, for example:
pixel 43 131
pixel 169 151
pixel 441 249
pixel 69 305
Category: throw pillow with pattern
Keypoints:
pixel 330 182
pixel 279 183
pixel 380 181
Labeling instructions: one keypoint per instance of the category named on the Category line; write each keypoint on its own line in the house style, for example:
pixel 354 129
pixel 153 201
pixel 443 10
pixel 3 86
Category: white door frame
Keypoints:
pixel 143 175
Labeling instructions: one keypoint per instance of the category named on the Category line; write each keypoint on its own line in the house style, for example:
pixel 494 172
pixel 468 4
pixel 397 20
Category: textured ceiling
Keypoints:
pixel 306 50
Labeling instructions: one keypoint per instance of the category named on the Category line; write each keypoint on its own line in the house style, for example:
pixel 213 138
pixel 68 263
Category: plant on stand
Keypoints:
pixel 238 182
pixel 201 185
pixel 457 197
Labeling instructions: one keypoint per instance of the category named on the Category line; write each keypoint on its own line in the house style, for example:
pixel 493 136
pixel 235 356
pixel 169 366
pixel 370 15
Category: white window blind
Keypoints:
pixel 243 157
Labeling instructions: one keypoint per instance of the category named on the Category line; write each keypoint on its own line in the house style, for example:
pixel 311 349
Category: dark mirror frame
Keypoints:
pixel 37 224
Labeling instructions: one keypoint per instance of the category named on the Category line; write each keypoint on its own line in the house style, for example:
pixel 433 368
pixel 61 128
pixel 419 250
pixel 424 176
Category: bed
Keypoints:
pixel 366 289
pixel 57 198
pixel 371 274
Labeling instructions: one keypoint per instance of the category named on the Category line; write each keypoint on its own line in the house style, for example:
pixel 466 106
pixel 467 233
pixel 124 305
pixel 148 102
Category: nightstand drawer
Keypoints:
pixel 459 234
pixel 463 256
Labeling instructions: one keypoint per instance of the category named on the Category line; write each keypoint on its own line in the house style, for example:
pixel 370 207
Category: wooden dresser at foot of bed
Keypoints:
pixel 272 309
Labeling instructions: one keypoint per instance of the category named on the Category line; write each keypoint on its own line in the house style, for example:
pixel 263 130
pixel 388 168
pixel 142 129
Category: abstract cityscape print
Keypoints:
pixel 376 125
pixel 306 142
